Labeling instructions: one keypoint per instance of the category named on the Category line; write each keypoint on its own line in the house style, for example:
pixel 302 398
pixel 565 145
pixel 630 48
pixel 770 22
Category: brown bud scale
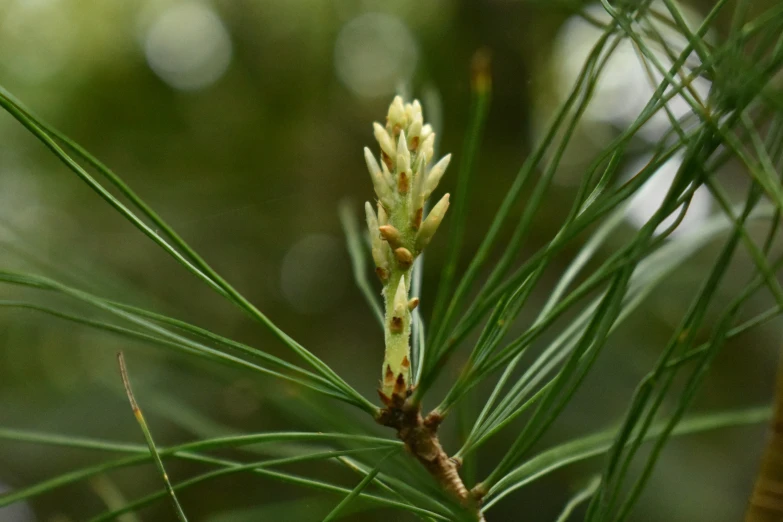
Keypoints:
pixel 417 219
pixel 396 324
pixel 404 257
pixel 403 183
pixel 384 399
pixel 399 385
pixel 391 235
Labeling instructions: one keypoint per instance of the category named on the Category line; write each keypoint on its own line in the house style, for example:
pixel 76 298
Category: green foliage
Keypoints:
pixel 741 121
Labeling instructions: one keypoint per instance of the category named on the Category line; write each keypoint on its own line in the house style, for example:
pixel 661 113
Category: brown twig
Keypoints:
pixel 420 435
pixel 766 501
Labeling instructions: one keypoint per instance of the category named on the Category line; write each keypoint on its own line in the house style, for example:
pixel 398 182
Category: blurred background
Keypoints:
pixel 242 123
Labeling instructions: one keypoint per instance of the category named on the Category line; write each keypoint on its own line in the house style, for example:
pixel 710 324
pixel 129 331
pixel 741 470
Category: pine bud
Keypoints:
pixel 427 147
pixel 386 174
pixel 400 299
pixel 426 130
pixel 436 172
pixel 416 106
pixel 396 115
pixel 414 133
pixel 378 249
pixel 417 189
pixel 383 217
pixel 382 188
pixel 413 303
pixel 403 154
pixel 411 110
pixel 431 224
pixel 372 164
pixel 372 221
pixel 384 140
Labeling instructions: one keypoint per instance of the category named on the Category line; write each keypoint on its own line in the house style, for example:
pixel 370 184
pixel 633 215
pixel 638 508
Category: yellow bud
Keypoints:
pixel 427 147
pixel 434 175
pixel 384 140
pixel 400 299
pixel 378 249
pixel 382 188
pixel 396 115
pixel 403 154
pixel 383 218
pixel 431 223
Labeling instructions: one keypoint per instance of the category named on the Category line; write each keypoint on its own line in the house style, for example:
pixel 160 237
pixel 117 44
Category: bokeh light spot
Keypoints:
pixel 19 512
pixel 649 198
pixel 188 46
pixel 36 39
pixel 374 53
pixel 625 86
